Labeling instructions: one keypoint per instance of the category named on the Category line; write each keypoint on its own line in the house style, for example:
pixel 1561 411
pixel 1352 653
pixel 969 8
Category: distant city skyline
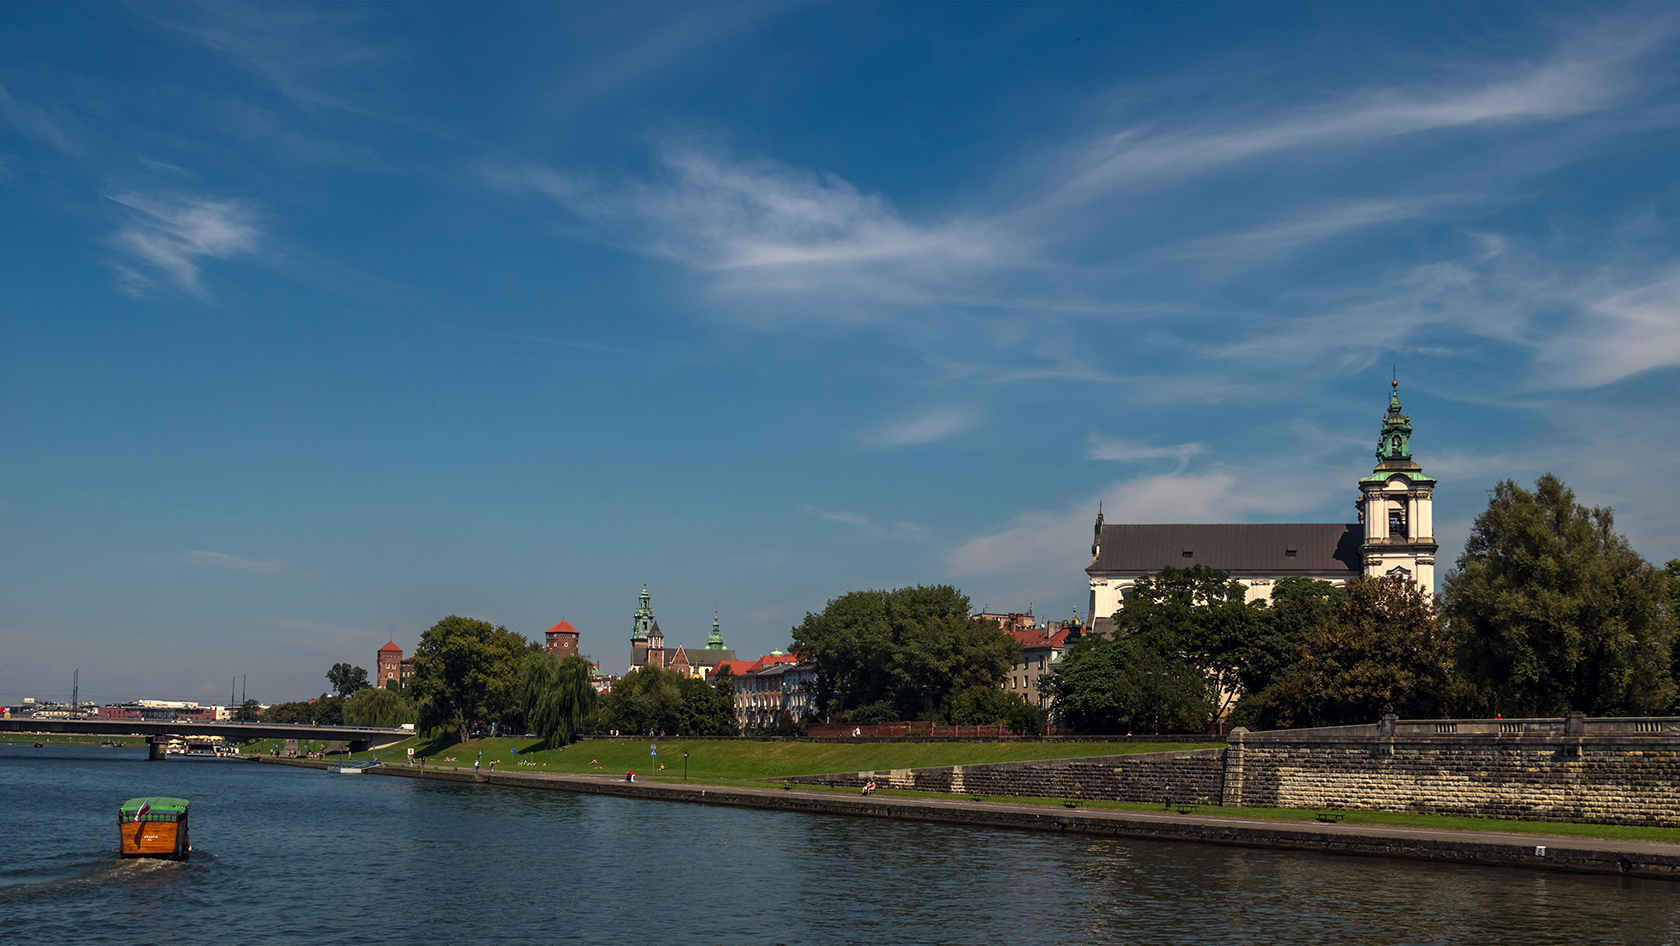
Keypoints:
pixel 323 322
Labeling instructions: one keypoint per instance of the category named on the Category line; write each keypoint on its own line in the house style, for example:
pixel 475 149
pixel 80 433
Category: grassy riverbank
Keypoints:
pixel 66 739
pixel 737 763
pixel 731 762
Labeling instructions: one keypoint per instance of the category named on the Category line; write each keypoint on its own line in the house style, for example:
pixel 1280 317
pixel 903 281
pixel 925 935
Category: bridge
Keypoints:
pixel 158 731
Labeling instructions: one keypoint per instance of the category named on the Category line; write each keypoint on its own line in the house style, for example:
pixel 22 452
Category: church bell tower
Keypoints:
pixel 1395 506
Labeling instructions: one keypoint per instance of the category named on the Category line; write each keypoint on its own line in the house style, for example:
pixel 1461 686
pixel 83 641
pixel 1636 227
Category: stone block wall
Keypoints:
pixel 1594 771
pixel 1194 777
pixel 1610 771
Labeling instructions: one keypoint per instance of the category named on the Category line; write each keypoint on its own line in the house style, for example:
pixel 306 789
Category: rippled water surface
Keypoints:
pixel 292 855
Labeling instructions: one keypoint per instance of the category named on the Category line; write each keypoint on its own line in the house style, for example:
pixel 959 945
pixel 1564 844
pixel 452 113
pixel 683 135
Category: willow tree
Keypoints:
pixel 378 706
pixel 556 696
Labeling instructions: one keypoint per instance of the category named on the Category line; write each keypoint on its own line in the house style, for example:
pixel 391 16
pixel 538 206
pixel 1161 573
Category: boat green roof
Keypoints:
pixel 156 804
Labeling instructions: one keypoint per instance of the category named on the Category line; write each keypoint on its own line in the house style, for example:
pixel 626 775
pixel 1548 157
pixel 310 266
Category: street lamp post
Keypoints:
pixel 685 766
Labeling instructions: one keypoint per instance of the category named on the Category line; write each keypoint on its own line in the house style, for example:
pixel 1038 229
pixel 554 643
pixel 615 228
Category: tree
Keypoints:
pixel 466 674
pixel 648 699
pixel 378 706
pixel 902 653
pixel 1137 679
pixel 1554 611
pixel 988 706
pixel 1384 651
pixel 556 696
pixel 346 679
pixel 707 709
pixel 249 711
pixel 1298 607
pixel 1206 612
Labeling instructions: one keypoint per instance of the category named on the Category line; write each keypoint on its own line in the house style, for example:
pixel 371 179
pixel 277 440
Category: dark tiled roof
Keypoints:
pixel 1261 549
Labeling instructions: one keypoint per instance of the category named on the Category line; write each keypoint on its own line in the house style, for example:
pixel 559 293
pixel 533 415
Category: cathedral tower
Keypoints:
pixel 1395 506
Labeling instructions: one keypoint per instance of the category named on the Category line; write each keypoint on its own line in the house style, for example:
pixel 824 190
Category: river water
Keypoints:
pixel 288 855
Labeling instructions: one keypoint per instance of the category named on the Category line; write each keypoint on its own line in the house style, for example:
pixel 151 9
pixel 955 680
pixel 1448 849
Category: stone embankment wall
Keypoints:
pixel 1195 777
pixel 1603 771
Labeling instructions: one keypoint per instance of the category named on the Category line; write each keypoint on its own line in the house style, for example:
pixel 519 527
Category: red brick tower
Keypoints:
pixel 562 640
pixel 390 661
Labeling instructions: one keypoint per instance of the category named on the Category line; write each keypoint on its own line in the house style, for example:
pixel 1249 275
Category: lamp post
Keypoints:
pixel 685 766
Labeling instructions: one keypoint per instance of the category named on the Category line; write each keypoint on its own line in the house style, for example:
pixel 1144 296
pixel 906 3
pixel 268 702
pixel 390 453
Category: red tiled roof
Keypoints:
pixel 389 648
pixel 1035 637
pixel 562 628
pixel 736 667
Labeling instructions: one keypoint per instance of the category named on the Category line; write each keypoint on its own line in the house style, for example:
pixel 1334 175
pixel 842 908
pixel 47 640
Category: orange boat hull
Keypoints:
pixel 154 839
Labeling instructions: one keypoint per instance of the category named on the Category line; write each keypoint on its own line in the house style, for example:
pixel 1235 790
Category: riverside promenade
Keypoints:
pixel 1547 852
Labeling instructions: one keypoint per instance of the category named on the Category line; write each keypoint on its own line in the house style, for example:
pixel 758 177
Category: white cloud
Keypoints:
pixel 899 531
pixel 759 226
pixel 1113 448
pixel 927 426
pixel 1579 81
pixel 1625 333
pixel 34 122
pixel 173 233
pixel 271 566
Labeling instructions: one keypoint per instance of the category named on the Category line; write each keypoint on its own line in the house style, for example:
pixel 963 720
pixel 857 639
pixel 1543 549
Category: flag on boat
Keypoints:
pixel 141 811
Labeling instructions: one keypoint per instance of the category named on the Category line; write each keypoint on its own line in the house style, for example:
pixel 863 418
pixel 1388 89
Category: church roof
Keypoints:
pixel 1271 549
pixel 389 648
pixel 562 628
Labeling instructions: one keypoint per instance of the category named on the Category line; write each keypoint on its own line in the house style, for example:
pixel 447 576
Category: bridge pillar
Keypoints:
pixel 157 748
pixel 361 745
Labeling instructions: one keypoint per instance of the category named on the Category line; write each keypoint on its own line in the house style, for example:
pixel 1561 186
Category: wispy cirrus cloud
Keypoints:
pixel 762 226
pixel 292 48
pixel 35 122
pixel 269 566
pixel 1113 448
pixel 897 531
pixel 173 233
pixel 927 426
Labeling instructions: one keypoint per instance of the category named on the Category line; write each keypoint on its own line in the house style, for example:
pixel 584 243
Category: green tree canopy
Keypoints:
pixel 1384 651
pixel 346 679
pixel 1138 679
pixel 556 696
pixel 1298 607
pixel 466 674
pixel 988 706
pixel 647 700
pixel 909 650
pixel 1205 612
pixel 1554 611
pixel 378 706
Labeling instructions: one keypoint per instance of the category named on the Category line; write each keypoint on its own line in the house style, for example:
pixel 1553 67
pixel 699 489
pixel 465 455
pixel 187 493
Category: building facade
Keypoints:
pixel 1394 535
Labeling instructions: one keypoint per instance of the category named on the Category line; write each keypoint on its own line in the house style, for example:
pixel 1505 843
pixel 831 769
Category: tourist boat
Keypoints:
pixel 154 827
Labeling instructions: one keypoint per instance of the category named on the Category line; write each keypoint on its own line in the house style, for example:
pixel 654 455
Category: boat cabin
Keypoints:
pixel 153 827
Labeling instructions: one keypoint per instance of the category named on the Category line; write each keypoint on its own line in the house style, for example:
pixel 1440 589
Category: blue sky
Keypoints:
pixel 320 323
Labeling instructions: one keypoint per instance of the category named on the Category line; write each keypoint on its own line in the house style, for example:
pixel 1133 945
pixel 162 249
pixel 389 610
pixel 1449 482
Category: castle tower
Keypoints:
pixel 714 641
pixel 1395 506
pixel 389 660
pixel 645 635
pixel 562 640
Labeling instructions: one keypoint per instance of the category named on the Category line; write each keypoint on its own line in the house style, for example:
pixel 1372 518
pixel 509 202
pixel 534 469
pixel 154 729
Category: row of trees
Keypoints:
pixel 1549 610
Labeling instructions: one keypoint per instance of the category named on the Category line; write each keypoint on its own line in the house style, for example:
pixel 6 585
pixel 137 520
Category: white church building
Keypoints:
pixel 1395 534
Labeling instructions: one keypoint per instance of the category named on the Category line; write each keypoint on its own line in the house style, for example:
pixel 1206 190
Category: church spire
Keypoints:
pixel 1394 449
pixel 644 618
pixel 715 641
